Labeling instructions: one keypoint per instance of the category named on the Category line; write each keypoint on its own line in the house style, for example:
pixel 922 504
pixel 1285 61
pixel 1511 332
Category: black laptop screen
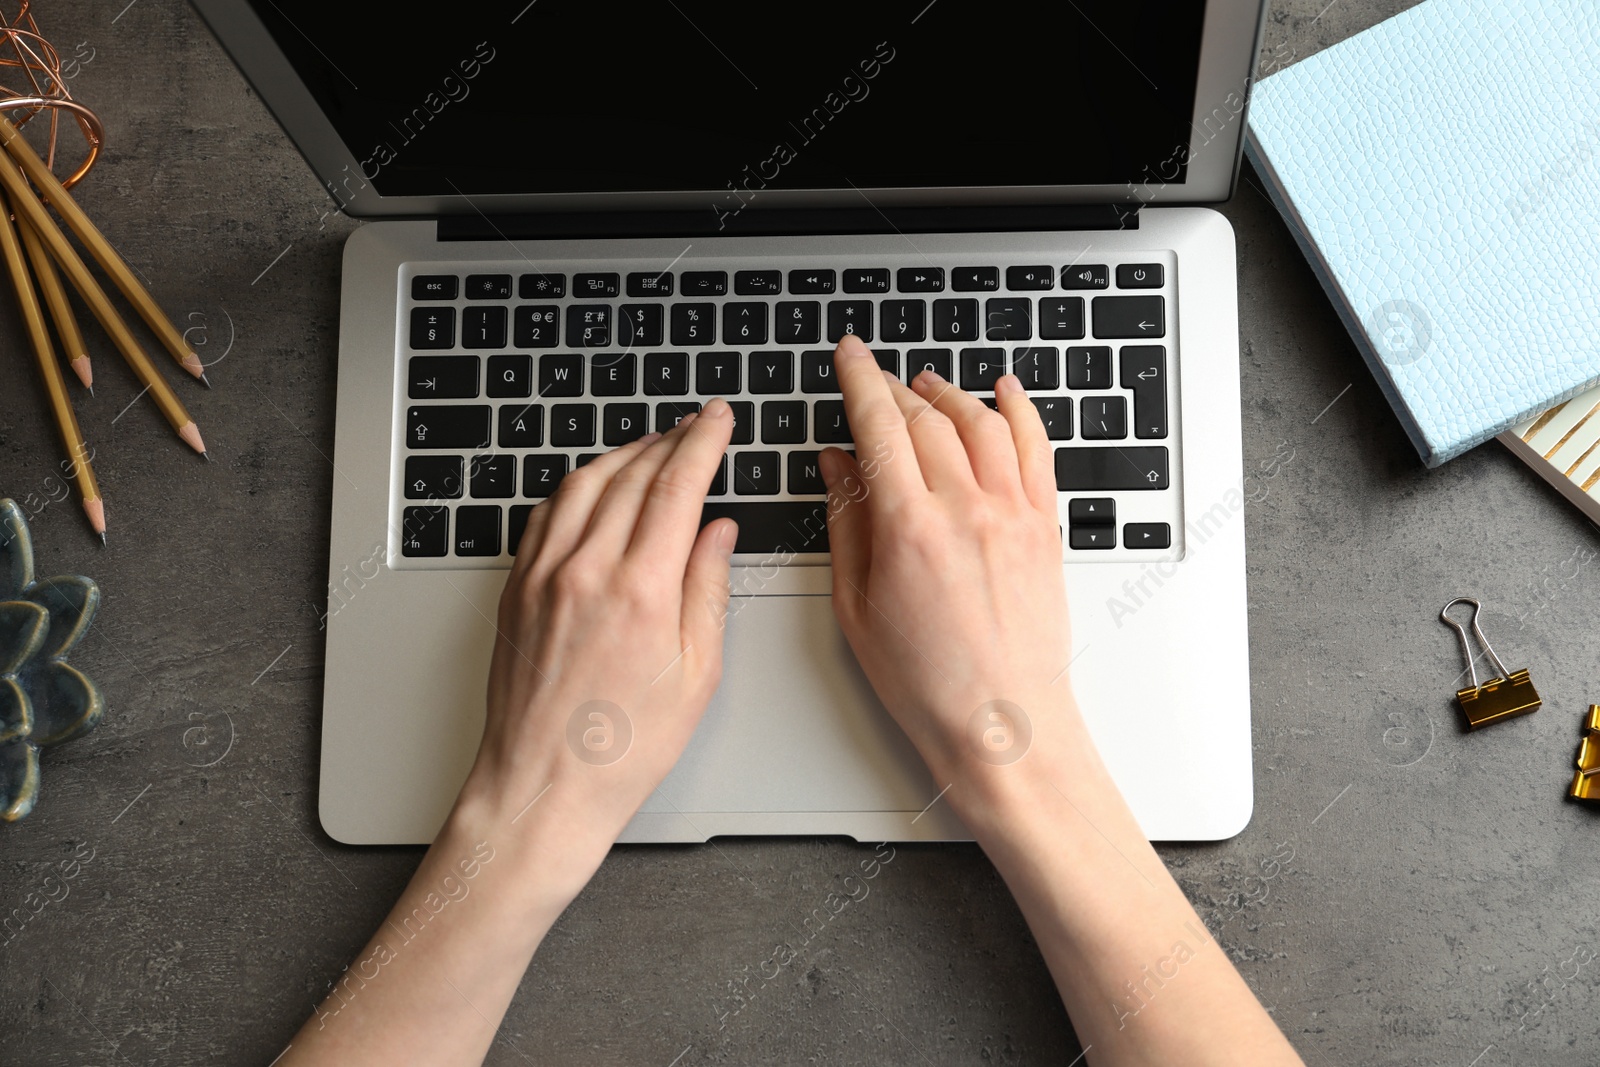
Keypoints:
pixel 572 96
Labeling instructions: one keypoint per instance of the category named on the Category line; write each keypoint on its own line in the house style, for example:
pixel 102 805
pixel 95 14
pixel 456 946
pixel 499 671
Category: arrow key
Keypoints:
pixel 430 477
pixel 1130 316
pixel 1147 535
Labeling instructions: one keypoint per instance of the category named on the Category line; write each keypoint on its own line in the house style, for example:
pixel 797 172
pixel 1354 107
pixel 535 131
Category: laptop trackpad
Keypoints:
pixel 795 725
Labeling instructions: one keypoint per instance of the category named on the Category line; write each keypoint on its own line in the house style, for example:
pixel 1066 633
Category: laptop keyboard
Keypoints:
pixel 512 378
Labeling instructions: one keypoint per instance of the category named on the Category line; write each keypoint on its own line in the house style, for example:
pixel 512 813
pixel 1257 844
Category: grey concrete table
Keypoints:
pixel 1406 893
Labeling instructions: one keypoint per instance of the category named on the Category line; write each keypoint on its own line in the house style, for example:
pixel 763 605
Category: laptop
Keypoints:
pixel 586 221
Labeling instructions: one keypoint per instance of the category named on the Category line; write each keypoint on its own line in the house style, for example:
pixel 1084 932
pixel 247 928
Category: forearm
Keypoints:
pixel 433 983
pixel 1141 977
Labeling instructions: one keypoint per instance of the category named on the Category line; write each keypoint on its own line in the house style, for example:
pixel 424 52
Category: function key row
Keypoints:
pixel 792 322
pixel 866 280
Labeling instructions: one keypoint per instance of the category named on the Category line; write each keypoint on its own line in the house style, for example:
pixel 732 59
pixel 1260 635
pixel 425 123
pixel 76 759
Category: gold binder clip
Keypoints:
pixel 1502 697
pixel 1586 782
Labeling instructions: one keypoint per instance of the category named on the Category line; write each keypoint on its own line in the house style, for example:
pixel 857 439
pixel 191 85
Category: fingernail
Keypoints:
pixel 727 536
pixel 1007 385
pixel 716 409
pixel 928 378
pixel 828 463
pixel 852 346
pixel 647 438
pixel 686 420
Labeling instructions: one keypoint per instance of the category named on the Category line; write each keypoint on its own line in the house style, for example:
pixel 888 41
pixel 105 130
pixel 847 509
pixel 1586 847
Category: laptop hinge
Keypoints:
pixel 790 221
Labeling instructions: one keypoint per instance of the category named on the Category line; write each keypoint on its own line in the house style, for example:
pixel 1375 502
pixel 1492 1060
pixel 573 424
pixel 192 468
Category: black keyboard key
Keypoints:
pixel 586 458
pixel 797 322
pixel 433 328
pixel 425 531
pixel 866 280
pixel 1089 368
pixel 613 374
pixel 783 422
pixel 1092 536
pixel 744 422
pixel 521 426
pixel 492 476
pixel 572 425
pixel 588 325
pixel 442 377
pixel 542 286
pixel 1023 279
pixel 1147 535
pixel 955 320
pixel 694 325
pixel 811 282
pixel 1139 276
pixel 919 279
pixel 666 374
pixel 981 368
pixel 433 477
pixel 645 283
pixel 483 327
pixel 902 321
pixel 434 287
pixel 716 373
pixel 542 473
pixel 624 423
pixel 755 473
pixel 771 372
pixel 517 526
pixel 448 426
pixel 816 372
pixel 1088 469
pixel 510 376
pixel 975 279
pixel 1103 418
pixel 770 526
pixel 850 316
pixel 1144 370
pixel 478 530
pixel 1056 414
pixel 888 359
pixel 671 412
pixel 536 326
pixel 640 326
pixel 758 282
pixel 705 283
pixel 488 287
pixel 1085 276
pixel 1092 511
pixel 805 473
pixel 1130 316
pixel 1008 319
pixel 1061 318
pixel 744 323
pixel 934 359
pixel 561 375
pixel 1037 368
pixel 595 286
pixel 719 480
pixel 830 426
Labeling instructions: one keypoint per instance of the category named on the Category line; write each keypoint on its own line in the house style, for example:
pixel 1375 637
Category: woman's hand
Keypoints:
pixel 947 562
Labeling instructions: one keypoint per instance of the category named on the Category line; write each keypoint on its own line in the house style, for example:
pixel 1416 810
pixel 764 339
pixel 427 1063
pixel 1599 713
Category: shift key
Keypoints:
pixel 1093 468
pixel 448 426
pixel 1130 316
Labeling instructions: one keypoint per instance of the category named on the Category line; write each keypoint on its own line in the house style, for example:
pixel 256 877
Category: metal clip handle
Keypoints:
pixel 1477 631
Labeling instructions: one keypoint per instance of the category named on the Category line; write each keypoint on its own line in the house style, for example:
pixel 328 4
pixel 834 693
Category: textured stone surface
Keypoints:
pixel 1438 884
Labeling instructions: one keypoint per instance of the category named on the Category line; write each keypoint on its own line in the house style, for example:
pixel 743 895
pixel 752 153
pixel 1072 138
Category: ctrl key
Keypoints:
pixel 478 530
pixel 424 531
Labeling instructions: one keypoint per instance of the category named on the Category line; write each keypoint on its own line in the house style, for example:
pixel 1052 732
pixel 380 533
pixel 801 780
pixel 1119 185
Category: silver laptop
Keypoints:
pixel 588 221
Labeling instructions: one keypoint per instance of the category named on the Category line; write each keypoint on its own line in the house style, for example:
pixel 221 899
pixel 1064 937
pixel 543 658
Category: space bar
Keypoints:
pixel 790 526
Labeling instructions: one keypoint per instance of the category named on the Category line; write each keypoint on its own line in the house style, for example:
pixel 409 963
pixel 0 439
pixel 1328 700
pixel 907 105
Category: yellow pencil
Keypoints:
pixel 28 206
pixel 112 263
pixel 54 383
pixel 55 298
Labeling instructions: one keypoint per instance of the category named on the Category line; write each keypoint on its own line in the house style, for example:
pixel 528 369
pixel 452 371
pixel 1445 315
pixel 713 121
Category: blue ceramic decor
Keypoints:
pixel 43 700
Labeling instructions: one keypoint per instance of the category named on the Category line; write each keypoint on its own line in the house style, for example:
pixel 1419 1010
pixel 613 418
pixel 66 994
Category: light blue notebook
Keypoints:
pixel 1441 172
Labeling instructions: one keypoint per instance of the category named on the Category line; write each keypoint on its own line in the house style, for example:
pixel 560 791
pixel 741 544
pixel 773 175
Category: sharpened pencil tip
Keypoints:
pixel 207 455
pixel 205 381
pixel 91 390
pixel 102 539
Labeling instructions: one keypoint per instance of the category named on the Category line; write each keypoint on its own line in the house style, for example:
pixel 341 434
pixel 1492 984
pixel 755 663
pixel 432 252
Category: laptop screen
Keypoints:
pixel 558 96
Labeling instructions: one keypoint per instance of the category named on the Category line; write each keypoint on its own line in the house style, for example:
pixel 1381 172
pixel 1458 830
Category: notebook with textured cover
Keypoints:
pixel 1441 172
pixel 1563 446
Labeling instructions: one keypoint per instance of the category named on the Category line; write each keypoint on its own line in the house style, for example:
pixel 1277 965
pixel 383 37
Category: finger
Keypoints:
pixel 849 523
pixel 984 433
pixel 705 592
pixel 527 549
pixel 669 519
pixel 941 457
pixel 1036 461
pixel 617 512
pixel 876 424
pixel 575 499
